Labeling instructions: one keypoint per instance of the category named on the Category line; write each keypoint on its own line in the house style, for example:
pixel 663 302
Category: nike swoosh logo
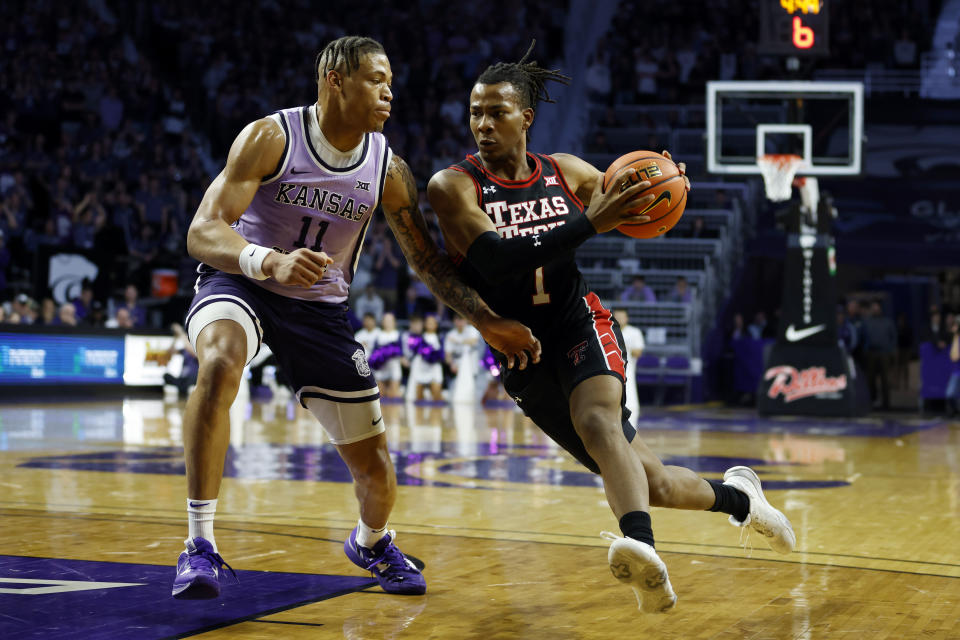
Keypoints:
pixel 376 421
pixel 295 172
pixel 795 335
pixel 199 504
pixel 665 195
pixel 253 251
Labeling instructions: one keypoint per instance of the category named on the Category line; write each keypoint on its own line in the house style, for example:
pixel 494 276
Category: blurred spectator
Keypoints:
pixel 48 313
pixel 904 51
pixel 386 264
pixel 699 230
pixel 13 214
pixel 847 333
pixel 97 317
pixel 153 206
pixel 81 303
pixel 758 328
pixel 638 290
pixel 22 309
pixel 934 330
pixel 426 358
pixel 423 300
pixel 880 345
pixel 68 315
pixel 598 78
pixel 680 292
pixel 953 384
pixel 738 331
pixel 183 365
pixel 461 349
pixel 111 110
pixel 599 143
pixel 4 262
pixel 387 357
pixel 610 119
pixel 634 343
pixel 855 319
pixel 645 69
pixel 370 303
pixel 367 335
pixel 905 352
pixel 144 250
pixel 120 320
pixel 135 311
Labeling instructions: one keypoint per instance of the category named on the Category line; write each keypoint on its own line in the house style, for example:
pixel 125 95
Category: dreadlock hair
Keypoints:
pixel 529 78
pixel 344 54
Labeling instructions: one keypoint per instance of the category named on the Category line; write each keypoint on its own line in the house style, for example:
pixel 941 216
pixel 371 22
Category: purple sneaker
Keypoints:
pixel 198 571
pixel 396 573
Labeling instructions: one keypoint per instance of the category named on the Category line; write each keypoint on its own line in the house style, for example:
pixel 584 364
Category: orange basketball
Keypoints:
pixel 666 184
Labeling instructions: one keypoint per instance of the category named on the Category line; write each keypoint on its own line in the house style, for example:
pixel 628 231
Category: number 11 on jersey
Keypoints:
pixel 541 296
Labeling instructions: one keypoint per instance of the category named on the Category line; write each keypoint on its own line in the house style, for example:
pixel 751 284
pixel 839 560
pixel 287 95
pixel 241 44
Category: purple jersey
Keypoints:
pixel 308 203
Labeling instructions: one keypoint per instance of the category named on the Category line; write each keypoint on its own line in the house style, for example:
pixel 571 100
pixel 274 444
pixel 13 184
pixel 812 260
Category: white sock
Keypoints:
pixel 200 514
pixel 367 537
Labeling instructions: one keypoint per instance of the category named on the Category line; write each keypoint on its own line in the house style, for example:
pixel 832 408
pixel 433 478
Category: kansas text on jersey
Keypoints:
pixel 308 203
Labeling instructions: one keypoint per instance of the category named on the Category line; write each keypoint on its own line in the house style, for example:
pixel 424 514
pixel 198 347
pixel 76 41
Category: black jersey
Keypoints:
pixel 542 297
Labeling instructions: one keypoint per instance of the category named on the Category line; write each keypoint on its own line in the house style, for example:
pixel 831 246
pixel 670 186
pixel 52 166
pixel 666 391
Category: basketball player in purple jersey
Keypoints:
pixel 278 233
pixel 512 220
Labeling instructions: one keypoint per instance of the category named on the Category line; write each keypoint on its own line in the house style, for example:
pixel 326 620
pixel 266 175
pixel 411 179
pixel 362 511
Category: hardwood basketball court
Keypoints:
pixel 506 523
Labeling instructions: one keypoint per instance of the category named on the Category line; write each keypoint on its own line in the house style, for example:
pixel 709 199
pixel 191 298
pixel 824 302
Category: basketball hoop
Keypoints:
pixel 778 170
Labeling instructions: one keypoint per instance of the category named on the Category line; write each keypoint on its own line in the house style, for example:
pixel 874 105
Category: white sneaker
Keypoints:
pixel 763 518
pixel 637 564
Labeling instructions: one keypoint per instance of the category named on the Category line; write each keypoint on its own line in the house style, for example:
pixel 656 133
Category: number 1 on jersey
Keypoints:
pixel 541 296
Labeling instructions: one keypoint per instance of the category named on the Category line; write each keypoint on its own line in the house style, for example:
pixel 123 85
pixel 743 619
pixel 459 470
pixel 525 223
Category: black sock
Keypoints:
pixel 730 500
pixel 636 525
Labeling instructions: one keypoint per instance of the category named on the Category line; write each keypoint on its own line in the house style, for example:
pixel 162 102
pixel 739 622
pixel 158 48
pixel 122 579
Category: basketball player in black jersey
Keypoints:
pixel 512 221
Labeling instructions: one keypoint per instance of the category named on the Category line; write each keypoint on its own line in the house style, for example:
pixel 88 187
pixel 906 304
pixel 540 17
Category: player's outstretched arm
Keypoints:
pixel 469 231
pixel 210 239
pixel 401 207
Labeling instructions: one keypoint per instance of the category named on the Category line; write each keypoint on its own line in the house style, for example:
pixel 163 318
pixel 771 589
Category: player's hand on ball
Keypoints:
pixel 300 268
pixel 620 202
pixel 513 339
pixel 680 165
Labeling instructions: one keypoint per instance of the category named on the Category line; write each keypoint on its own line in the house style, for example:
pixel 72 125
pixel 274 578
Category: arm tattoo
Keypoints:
pixel 431 264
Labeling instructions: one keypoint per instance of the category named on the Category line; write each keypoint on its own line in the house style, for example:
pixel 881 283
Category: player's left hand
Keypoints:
pixel 682 166
pixel 513 339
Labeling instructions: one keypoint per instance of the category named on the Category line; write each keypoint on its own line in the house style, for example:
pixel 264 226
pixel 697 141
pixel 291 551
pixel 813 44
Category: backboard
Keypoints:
pixel 819 121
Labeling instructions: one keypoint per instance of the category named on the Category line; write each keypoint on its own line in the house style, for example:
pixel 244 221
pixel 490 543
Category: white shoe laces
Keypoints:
pixel 745 540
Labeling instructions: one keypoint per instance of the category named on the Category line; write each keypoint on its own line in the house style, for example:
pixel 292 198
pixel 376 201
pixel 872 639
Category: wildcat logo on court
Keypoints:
pixel 360 360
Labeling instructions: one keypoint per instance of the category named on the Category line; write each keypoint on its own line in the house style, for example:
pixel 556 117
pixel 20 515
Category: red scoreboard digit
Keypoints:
pixel 794 27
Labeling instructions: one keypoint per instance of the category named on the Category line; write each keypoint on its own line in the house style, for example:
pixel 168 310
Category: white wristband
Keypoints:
pixel 251 261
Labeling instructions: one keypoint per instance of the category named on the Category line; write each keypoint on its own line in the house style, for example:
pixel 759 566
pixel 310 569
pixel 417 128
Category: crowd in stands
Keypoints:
pixel 882 347
pixel 700 40
pixel 85 310
pixel 425 363
pixel 114 116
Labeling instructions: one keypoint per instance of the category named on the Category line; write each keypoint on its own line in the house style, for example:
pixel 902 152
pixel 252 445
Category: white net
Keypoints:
pixel 778 170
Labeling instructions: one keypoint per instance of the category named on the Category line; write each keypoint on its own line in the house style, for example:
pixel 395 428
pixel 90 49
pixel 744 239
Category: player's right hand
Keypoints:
pixel 618 204
pixel 513 339
pixel 300 268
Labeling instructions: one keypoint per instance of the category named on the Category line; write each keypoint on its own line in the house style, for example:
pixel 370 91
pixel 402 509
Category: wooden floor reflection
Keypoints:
pixel 507 524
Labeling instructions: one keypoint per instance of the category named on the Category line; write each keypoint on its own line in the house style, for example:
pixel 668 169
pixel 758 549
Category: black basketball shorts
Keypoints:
pixel 587 344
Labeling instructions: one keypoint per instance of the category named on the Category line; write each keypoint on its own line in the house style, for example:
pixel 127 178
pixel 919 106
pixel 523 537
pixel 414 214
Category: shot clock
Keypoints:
pixel 794 27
